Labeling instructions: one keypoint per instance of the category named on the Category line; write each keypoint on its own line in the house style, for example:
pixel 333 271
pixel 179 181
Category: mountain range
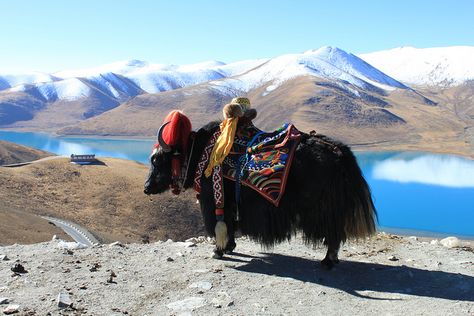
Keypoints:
pixel 404 95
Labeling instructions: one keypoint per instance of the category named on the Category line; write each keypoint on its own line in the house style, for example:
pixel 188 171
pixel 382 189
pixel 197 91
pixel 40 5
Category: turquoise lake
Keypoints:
pixel 415 193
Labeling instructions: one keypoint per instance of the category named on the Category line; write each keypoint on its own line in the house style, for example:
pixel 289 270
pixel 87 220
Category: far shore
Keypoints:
pixel 383 147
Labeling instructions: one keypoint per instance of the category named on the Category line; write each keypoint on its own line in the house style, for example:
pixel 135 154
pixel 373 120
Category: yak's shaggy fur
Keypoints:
pixel 326 199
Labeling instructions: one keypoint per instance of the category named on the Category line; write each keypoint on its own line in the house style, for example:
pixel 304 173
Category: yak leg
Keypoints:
pixel 331 256
pixel 231 240
pixel 219 253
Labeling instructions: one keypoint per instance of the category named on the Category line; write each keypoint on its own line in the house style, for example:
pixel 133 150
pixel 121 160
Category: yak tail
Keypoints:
pixel 360 215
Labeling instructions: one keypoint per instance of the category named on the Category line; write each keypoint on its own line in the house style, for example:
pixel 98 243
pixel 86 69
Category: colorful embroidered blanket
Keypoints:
pixel 258 160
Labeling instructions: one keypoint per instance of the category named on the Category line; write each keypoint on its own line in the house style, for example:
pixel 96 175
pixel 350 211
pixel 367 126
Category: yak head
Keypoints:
pixel 169 155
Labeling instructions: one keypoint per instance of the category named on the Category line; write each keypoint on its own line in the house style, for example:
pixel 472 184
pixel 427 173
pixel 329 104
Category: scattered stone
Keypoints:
pixel 202 285
pixel 64 300
pixel 169 259
pixel 222 300
pixel 413 238
pixel 68 252
pixel 95 267
pixel 116 244
pixel 179 254
pixel 4 300
pixel 11 309
pixel 18 268
pixel 54 238
pixel 111 277
pixel 71 245
pixel 189 303
pixel 4 258
pixel 450 242
pixel 83 287
pixel 434 242
pixel 187 244
pixel 393 258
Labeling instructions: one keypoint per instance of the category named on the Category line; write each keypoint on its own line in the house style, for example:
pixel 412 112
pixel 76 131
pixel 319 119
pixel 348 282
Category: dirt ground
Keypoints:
pixel 384 275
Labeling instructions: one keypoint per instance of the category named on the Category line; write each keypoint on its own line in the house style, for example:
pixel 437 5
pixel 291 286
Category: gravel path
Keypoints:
pixel 386 275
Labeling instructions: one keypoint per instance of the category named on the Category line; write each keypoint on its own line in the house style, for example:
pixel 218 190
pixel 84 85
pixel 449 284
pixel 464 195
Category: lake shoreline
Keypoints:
pixel 415 148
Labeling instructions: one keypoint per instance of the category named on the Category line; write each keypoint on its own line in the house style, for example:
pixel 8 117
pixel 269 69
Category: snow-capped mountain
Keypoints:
pixel 439 66
pixel 72 89
pixel 328 62
pixel 12 80
pixel 124 79
pixel 154 78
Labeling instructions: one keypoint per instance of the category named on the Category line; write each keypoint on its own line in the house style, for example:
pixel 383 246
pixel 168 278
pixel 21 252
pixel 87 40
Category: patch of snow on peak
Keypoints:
pixel 445 66
pixel 68 89
pixel 327 62
pixel 12 80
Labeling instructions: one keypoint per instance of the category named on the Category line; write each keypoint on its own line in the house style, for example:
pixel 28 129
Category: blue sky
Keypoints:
pixel 52 35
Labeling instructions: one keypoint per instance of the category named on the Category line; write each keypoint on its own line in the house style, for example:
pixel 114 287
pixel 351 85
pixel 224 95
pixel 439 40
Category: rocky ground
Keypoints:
pixel 386 275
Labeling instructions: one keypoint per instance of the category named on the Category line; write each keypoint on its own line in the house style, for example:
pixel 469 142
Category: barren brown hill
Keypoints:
pixel 31 110
pixel 19 227
pixel 11 153
pixel 380 120
pixel 106 199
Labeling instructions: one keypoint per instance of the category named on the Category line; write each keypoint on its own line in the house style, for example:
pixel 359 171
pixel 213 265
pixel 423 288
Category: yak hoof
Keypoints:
pixel 218 254
pixel 230 247
pixel 328 264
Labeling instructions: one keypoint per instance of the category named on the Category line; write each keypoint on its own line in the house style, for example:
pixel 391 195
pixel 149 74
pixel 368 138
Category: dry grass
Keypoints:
pixel 106 199
pixel 11 153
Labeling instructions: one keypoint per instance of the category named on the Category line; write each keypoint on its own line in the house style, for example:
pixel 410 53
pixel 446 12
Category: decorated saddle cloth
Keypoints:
pixel 257 159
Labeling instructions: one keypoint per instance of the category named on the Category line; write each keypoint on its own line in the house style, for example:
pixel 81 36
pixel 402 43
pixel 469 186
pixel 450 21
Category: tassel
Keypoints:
pixel 221 235
pixel 223 144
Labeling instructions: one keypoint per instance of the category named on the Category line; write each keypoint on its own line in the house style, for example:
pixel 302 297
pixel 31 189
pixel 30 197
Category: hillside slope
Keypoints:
pixel 11 153
pixel 393 120
pixel 106 199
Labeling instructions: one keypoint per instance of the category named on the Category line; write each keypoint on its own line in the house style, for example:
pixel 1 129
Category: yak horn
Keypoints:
pixel 164 146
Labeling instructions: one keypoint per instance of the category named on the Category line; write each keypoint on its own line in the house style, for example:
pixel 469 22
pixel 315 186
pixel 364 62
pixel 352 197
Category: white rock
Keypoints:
pixel 64 300
pixel 54 238
pixel 202 285
pixel 413 238
pixel 116 244
pixel 222 300
pixel 11 309
pixel 4 258
pixel 189 303
pixel 71 245
pixel 434 242
pixel 450 242
pixel 4 300
pixel 187 244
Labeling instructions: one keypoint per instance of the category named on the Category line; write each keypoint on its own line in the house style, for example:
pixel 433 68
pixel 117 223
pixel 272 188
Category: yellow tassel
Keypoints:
pixel 221 235
pixel 223 144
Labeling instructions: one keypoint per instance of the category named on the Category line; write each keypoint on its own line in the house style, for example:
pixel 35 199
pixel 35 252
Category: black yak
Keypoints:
pixel 326 198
